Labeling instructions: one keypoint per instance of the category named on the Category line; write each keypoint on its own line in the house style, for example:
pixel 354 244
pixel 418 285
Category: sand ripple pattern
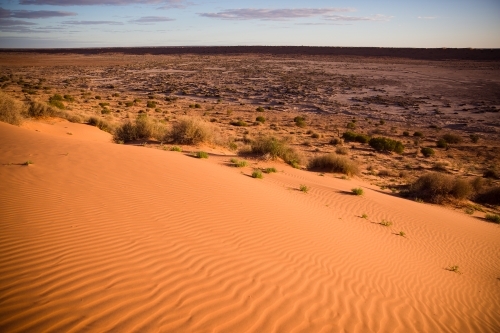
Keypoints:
pixel 129 239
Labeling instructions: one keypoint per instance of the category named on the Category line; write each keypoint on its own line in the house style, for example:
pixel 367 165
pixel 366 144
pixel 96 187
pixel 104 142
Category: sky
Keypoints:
pixel 368 23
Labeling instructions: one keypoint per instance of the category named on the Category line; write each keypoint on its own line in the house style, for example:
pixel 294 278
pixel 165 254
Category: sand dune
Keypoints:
pixel 103 237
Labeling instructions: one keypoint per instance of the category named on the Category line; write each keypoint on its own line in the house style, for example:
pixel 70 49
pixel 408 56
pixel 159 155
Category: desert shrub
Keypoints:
pixel 406 133
pixel 151 104
pixel 11 110
pixel 441 143
pixel 435 187
pixel 490 196
pixel 147 128
pixel 357 191
pixel 129 104
pixel 56 100
pixel 239 163
pixel 239 123
pixel 176 148
pixel 418 134
pixel 342 150
pixel 351 136
pixel 474 138
pixel 452 138
pixel 260 119
pixel 351 125
pixel 201 154
pixel 335 141
pixel 101 124
pixel 192 131
pixel 125 133
pixel 300 121
pixel 427 152
pixel 492 218
pixel 334 163
pixel 276 149
pixel 39 110
pixel 257 174
pixel 260 109
pixel 383 144
pixel 303 188
pixel 269 170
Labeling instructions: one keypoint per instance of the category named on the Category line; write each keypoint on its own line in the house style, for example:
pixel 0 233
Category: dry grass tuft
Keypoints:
pixel 334 163
pixel 11 110
pixel 192 131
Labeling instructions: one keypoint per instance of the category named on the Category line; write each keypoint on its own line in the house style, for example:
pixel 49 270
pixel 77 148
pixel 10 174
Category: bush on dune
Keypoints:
pixel 192 131
pixel 144 128
pixel 334 163
pixel 11 110
pixel 436 188
pixel 276 148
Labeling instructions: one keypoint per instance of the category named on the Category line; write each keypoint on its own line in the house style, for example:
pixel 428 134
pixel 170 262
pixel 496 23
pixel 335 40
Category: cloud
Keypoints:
pixel 427 17
pixel 92 22
pixel 33 14
pixel 165 3
pixel 11 23
pixel 272 14
pixel 151 19
pixel 377 17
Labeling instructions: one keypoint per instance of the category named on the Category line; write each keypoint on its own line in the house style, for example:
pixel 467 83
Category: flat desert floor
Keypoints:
pixel 98 236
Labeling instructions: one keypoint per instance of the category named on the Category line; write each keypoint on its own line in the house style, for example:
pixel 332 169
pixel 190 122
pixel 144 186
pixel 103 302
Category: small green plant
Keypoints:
pixel 201 154
pixel 492 218
pixel 469 210
pixel 402 234
pixel 364 216
pixel 28 162
pixel 357 191
pixel 257 174
pixel 151 104
pixel 454 269
pixel 386 223
pixel 304 188
pixel 260 119
pixel 176 148
pixel 239 123
pixel 260 109
pixel 239 164
pixel 427 152
pixel 269 170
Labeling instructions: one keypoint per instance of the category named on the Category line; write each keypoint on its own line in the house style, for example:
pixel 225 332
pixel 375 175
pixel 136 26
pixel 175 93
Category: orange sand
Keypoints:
pixel 103 237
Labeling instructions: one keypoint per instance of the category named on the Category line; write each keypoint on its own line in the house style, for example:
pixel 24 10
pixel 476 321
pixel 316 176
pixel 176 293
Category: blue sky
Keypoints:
pixel 385 23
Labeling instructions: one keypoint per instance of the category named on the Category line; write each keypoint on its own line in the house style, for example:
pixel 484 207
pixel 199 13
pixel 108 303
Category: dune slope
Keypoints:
pixel 103 237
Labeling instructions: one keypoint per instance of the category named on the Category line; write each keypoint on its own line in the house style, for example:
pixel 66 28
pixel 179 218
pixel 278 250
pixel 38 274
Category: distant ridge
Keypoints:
pixel 411 53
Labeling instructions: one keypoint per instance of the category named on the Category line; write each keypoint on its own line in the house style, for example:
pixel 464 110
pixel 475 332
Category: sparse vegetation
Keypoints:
pixel 386 223
pixel 269 170
pixel 357 191
pixel 454 269
pixel 436 188
pixel 257 174
pixel 427 152
pixel 364 216
pixel 11 110
pixel 28 162
pixel 260 119
pixel 334 163
pixel 303 188
pixel 192 131
pixel 382 144
pixel 356 137
pixel 101 124
pixel 275 148
pixel 452 138
pixel 239 163
pixel 402 234
pixel 144 128
pixel 201 154
pixel 176 148
pixel 492 218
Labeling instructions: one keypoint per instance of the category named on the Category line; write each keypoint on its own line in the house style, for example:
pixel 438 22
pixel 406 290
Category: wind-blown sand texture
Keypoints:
pixel 103 237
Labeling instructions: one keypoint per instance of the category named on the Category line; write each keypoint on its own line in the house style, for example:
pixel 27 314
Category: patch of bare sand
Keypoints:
pixel 99 237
